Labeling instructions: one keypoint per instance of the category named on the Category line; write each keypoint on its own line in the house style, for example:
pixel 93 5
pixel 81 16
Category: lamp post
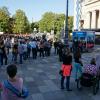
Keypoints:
pixel 66 24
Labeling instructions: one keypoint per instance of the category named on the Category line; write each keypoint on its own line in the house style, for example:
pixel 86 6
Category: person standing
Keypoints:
pixel 3 54
pixel 13 80
pixel 34 48
pixel 20 52
pixel 77 64
pixel 66 69
pixel 47 48
pixel 41 46
pixel 24 50
pixel 15 52
pixel 55 47
pixel 8 45
pixel 60 48
pixel 28 49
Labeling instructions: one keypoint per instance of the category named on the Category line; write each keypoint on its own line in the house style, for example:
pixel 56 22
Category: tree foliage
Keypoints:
pixel 21 23
pixel 4 19
pixel 54 21
pixel 47 22
pixel 59 22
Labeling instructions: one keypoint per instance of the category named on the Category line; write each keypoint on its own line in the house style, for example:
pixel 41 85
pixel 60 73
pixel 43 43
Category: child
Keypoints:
pixel 15 81
pixel 77 64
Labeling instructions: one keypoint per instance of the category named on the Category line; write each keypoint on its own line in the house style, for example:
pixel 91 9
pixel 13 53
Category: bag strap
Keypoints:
pixel 9 86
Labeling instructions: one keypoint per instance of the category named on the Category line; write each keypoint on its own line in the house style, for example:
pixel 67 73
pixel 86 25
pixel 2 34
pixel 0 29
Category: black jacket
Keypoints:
pixel 67 59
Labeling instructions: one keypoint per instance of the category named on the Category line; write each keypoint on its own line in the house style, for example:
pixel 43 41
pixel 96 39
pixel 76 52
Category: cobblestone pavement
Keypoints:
pixel 42 78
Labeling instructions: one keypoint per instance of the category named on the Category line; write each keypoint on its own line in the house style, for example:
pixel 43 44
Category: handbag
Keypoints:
pixel 23 94
pixel 61 72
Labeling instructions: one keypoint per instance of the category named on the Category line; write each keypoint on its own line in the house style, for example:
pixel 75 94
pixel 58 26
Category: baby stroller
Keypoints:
pixel 88 80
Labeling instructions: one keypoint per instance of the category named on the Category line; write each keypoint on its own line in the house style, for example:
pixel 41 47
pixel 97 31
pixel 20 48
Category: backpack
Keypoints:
pixel 24 94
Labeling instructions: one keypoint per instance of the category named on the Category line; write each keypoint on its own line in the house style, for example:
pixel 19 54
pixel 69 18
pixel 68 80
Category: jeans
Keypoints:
pixel 7 50
pixel 41 52
pixel 55 50
pixel 34 53
pixel 14 58
pixel 3 56
pixel 25 55
pixel 28 52
pixel 78 70
pixel 47 51
pixel 67 82
pixel 21 58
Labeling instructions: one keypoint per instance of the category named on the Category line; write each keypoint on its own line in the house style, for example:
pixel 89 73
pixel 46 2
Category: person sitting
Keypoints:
pixel 91 68
pixel 90 74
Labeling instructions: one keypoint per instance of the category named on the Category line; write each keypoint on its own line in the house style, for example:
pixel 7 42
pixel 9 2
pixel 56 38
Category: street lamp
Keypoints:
pixel 66 24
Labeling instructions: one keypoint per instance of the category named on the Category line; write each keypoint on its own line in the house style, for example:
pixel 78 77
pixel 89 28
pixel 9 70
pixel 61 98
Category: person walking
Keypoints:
pixel 55 46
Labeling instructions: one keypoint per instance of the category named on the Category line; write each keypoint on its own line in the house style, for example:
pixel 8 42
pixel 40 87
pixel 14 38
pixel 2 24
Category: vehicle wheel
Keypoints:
pixel 95 88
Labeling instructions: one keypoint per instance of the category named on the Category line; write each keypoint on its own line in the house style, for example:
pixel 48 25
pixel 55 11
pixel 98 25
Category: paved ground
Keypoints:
pixel 43 81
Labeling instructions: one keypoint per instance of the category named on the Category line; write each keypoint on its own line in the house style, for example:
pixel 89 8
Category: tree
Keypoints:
pixel 70 23
pixel 11 24
pixel 21 23
pixel 51 21
pixel 4 19
pixel 59 22
pixel 47 22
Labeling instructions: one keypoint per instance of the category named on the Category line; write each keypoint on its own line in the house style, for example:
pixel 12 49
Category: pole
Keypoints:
pixel 66 24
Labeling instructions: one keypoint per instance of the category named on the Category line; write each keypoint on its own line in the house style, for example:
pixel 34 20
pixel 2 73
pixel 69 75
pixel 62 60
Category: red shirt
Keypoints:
pixel 66 70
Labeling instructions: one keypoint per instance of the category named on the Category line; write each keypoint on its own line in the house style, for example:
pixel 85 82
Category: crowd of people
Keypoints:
pixel 22 48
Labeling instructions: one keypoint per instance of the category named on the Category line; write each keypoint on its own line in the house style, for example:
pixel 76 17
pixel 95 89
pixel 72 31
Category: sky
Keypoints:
pixel 34 9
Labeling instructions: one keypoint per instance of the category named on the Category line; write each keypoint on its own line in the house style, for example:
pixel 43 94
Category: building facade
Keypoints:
pixel 86 14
